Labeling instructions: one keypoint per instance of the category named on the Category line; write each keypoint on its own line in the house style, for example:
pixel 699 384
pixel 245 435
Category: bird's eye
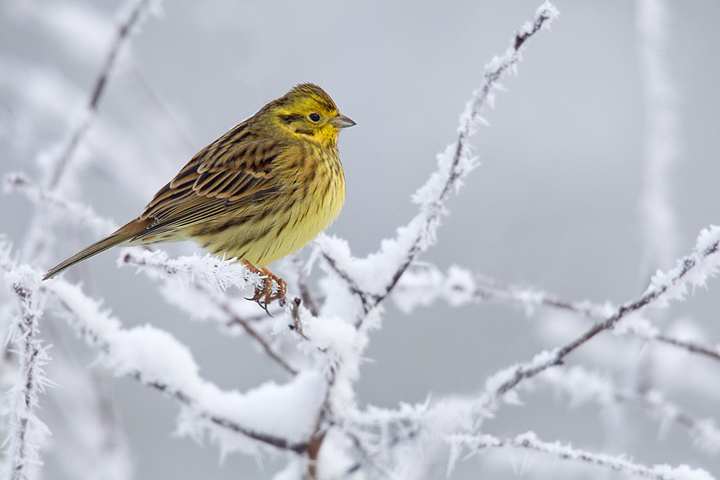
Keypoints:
pixel 314 117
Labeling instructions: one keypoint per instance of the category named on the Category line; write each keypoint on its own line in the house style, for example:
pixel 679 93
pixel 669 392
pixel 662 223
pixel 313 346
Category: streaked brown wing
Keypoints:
pixel 215 178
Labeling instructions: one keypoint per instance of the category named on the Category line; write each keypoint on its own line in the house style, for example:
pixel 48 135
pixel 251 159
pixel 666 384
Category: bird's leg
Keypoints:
pixel 282 285
pixel 264 296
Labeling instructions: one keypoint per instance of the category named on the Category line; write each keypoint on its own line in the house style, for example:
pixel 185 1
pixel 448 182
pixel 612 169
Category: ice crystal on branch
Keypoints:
pixel 26 432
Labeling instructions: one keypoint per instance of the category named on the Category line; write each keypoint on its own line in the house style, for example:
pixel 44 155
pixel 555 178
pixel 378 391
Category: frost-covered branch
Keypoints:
pixel 217 273
pixel 186 274
pixel 374 277
pixel 643 329
pixel 235 319
pixel 69 146
pixel 694 269
pixel 458 287
pixel 583 386
pixel 423 286
pixel 277 416
pixel 529 441
pixel 76 212
pixel 25 430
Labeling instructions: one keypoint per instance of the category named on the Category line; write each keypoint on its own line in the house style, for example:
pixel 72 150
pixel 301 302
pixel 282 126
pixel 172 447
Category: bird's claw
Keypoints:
pixel 264 296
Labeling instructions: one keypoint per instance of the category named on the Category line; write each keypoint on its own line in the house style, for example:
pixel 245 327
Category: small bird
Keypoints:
pixel 258 193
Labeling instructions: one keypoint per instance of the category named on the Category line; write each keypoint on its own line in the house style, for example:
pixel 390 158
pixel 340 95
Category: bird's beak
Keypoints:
pixel 341 121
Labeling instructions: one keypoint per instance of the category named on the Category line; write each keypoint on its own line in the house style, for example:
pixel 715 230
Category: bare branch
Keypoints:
pixel 77 212
pixel 235 319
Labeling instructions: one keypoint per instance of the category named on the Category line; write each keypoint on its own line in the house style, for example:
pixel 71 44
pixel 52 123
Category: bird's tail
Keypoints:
pixel 122 235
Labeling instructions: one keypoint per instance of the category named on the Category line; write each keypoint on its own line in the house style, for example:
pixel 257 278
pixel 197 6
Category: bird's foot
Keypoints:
pixel 264 296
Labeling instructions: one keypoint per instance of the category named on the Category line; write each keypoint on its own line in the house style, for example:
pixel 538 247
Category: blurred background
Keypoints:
pixel 555 203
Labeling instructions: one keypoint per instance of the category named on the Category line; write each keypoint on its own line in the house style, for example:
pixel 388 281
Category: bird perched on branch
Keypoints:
pixel 258 193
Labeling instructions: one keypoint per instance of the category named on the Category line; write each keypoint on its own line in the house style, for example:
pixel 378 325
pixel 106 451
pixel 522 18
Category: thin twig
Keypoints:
pixel 237 320
pixel 159 266
pixel 305 292
pixel 95 339
pixel 479 102
pixel 435 284
pixel 529 441
pixel 426 223
pixel 556 357
pixel 69 148
pixel 368 300
pixel 185 399
pixel 690 346
pixel 25 430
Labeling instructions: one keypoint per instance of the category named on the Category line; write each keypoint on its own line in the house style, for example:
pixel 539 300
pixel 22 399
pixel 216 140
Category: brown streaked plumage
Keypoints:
pixel 258 193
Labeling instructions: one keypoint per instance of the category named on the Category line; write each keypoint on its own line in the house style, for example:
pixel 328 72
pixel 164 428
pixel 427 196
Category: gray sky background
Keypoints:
pixel 553 205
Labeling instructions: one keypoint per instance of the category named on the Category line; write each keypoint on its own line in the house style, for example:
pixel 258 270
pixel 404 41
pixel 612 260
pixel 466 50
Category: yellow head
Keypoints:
pixel 308 112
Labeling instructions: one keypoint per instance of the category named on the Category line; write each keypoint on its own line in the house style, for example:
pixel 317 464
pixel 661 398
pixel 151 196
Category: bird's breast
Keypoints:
pixel 310 197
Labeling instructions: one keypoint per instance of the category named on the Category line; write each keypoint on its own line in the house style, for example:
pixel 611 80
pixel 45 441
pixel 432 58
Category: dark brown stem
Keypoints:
pixel 313 449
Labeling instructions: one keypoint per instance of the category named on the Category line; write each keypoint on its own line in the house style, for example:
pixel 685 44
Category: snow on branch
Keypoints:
pixel 76 212
pixel 529 441
pixel 694 269
pixel 337 341
pixel 26 431
pixel 216 273
pixel 68 147
pixel 279 416
pixel 200 299
pixel 374 277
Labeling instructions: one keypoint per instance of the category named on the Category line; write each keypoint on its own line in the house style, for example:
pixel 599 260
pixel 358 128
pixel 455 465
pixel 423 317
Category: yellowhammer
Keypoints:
pixel 258 193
